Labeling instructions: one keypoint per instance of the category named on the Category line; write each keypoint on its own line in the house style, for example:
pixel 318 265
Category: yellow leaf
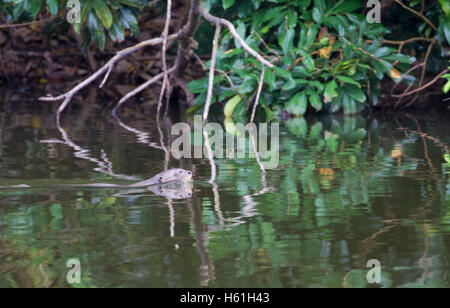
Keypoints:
pixel 325 52
pixel 397 152
pixel 395 74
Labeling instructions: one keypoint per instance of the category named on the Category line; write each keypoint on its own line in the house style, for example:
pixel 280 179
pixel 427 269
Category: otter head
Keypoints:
pixel 173 175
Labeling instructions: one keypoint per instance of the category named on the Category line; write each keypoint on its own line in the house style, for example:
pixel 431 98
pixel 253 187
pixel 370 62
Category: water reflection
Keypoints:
pixel 347 190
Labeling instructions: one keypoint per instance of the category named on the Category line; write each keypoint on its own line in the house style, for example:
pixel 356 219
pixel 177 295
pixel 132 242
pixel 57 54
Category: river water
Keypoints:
pixel 379 190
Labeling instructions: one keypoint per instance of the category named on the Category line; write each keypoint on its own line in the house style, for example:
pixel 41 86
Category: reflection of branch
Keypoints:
pixel 212 181
pixel 427 235
pixel 142 137
pixel 425 145
pixel 207 267
pixel 104 166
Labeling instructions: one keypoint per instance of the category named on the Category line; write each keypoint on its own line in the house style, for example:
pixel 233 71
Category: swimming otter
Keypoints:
pixel 168 176
pixel 172 175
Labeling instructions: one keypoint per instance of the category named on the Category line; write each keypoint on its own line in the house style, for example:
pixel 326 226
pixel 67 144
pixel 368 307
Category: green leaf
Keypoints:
pixel 358 135
pixel 298 104
pixel 346 79
pixel 314 100
pixel 331 141
pixel 256 3
pixel 356 93
pixel 128 20
pixel 282 73
pixel 269 78
pixel 292 18
pixel 52 6
pixel 316 130
pixel 132 3
pixel 445 6
pixel 96 30
pixel 346 6
pixel 317 16
pixel 198 86
pixel 330 91
pixel 240 29
pixel 447 158
pixel 103 12
pixel 446 88
pixel 298 127
pixel 307 60
pixel 33 7
pixel 349 105
pixel 227 4
pixel 116 33
pixel 288 40
pixel 231 105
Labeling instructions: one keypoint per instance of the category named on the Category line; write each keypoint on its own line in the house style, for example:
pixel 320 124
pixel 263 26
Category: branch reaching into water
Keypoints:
pixel 140 89
pixel 67 97
pixel 211 73
pixel 166 84
pixel 258 94
pixel 424 86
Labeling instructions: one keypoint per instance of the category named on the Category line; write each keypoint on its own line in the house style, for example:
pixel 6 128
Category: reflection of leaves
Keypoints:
pixel 298 127
pixel 331 141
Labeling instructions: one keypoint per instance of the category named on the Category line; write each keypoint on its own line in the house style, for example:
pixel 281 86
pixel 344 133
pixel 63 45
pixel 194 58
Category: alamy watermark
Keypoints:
pixel 74 274
pixel 74 13
pixel 374 275
pixel 374 14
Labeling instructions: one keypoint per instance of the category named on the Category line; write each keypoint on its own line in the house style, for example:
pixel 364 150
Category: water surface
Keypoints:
pixel 380 190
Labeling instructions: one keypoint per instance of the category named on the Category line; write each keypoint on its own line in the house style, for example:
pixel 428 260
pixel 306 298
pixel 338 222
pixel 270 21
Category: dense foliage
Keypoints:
pixel 327 55
pixel 99 20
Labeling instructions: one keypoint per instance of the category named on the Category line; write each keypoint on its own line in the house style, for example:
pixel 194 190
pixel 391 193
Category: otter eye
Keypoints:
pixel 160 179
pixel 189 194
pixel 189 172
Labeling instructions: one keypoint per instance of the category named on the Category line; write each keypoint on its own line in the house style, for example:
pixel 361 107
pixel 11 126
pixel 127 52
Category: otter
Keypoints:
pixel 168 176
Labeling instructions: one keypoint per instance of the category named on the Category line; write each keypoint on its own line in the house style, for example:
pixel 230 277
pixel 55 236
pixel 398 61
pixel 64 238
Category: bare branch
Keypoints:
pixel 140 89
pixel 106 77
pixel 230 26
pixel 258 94
pixel 424 86
pixel 211 73
pixel 417 13
pixel 105 68
pixel 165 85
